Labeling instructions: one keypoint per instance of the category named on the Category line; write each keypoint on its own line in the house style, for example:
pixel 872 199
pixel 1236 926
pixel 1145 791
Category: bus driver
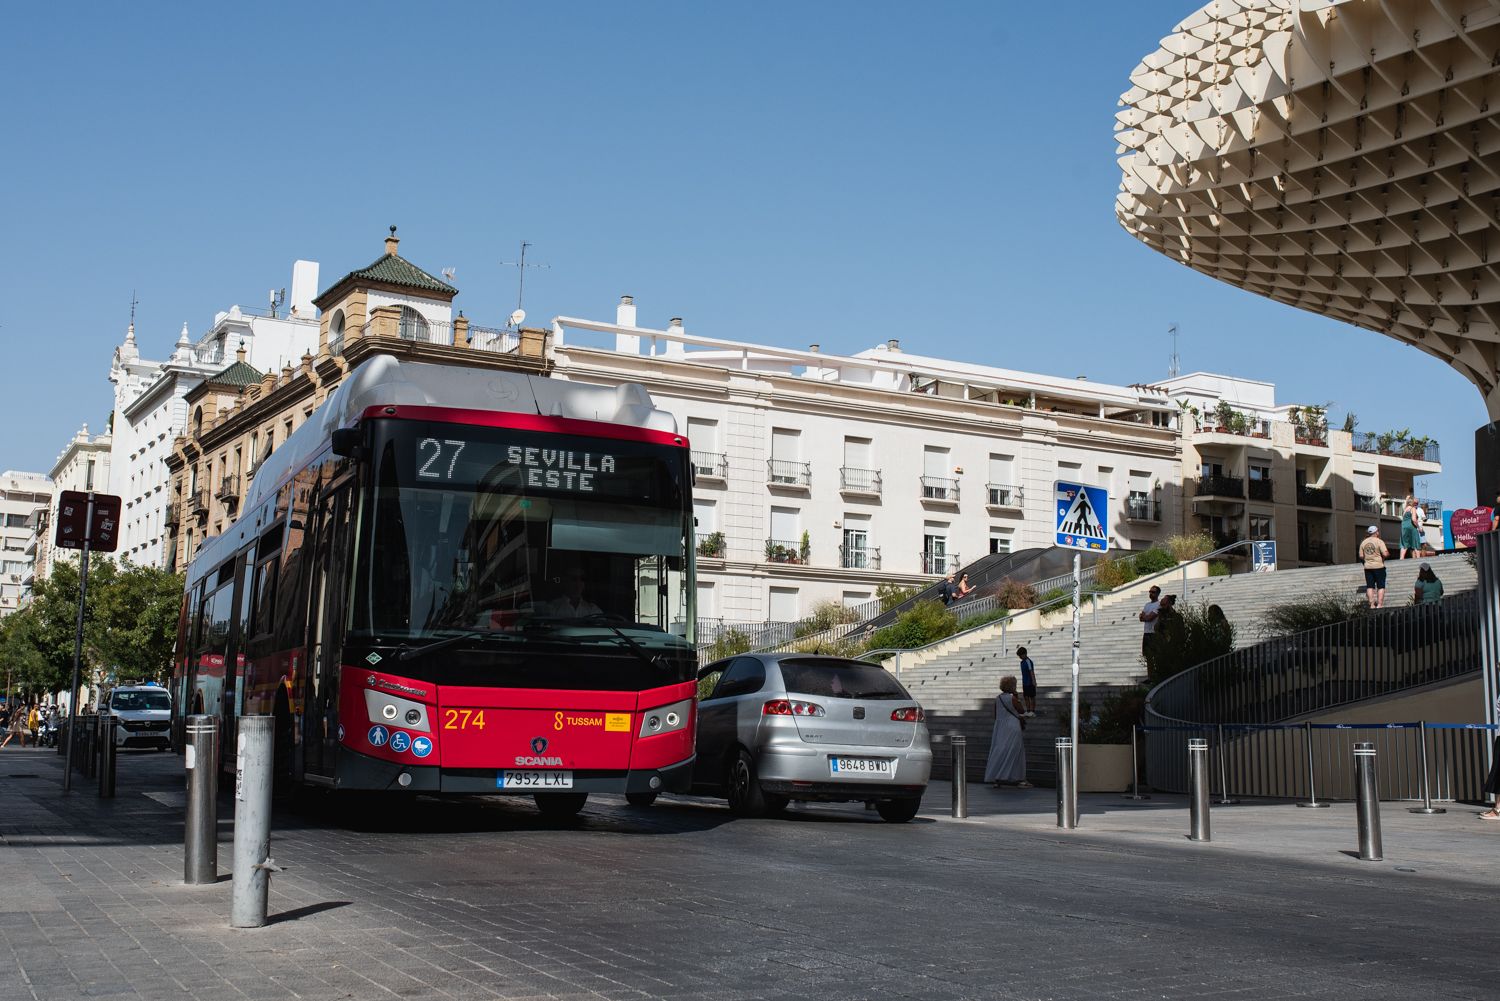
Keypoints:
pixel 571 604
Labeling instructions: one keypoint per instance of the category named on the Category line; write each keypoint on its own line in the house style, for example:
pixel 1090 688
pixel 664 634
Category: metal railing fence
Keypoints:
pixel 1443 762
pixel 1326 667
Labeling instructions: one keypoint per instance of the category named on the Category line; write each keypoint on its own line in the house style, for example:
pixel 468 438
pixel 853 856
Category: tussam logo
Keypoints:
pixel 539 745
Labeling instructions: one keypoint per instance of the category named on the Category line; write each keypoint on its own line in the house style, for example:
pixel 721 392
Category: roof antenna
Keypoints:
pixel 520 265
pixel 1174 367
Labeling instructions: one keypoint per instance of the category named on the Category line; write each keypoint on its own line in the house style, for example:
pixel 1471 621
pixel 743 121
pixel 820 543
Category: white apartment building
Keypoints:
pixel 829 475
pixel 21 496
pixel 82 465
pixel 150 409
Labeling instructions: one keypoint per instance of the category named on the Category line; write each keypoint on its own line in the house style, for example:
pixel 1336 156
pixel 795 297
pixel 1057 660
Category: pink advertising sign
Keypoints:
pixel 1469 522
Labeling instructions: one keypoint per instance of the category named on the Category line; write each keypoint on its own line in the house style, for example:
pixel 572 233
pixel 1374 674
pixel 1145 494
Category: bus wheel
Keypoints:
pixel 560 804
pixel 640 798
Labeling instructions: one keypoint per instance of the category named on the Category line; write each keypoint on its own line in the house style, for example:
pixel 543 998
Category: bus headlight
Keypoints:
pixel 665 719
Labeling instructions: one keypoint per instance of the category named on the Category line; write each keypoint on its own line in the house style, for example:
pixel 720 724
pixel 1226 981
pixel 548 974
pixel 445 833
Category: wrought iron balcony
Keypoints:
pixel 1142 509
pixel 199 501
pixel 939 562
pixel 710 465
pixel 1002 495
pixel 1367 503
pixel 173 517
pixel 940 488
pixel 1221 486
pixel 1261 489
pixel 229 488
pixel 788 473
pixel 859 558
pixel 859 481
pixel 785 551
pixel 1390 443
pixel 1314 497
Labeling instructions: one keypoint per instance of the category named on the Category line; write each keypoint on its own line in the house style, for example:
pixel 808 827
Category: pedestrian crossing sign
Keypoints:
pixel 1082 517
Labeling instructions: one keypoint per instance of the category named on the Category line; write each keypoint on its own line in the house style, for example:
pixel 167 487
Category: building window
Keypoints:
pixel 1262 526
pixel 336 333
pixel 935 554
pixel 1001 539
pixel 413 326
pixel 88 476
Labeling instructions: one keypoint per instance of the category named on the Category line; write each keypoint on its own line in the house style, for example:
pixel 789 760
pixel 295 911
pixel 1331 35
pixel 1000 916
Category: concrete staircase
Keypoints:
pixel 957 686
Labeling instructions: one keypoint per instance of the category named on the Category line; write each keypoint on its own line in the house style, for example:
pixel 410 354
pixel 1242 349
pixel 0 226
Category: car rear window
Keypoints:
pixel 134 701
pixel 840 679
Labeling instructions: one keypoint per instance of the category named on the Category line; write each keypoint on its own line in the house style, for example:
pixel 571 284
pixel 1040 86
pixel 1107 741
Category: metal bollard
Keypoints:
pixel 91 741
pixel 252 822
pixel 1426 808
pixel 1067 796
pixel 1312 777
pixel 200 846
pixel 1135 769
pixel 1198 826
pixel 1367 802
pixel 960 775
pixel 1221 747
pixel 107 724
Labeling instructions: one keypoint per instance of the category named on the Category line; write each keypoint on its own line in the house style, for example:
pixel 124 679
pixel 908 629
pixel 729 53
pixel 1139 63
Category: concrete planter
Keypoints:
pixel 1104 768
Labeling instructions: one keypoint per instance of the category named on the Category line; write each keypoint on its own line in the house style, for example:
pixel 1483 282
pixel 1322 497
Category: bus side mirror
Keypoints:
pixel 346 442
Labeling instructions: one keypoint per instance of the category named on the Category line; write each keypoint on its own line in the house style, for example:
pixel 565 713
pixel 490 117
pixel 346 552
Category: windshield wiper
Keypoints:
pixel 404 652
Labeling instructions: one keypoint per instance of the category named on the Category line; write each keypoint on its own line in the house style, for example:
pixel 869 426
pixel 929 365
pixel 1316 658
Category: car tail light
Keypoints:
pixel 791 707
pixel 911 714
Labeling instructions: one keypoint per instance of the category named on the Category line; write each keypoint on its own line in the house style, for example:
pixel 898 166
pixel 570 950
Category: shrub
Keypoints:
pixel 727 644
pixel 1190 547
pixel 891 595
pixel 1316 610
pixel 826 615
pixel 1154 560
pixel 831 647
pixel 923 623
pixel 1110 573
pixel 1218 568
pixel 1054 595
pixel 1194 634
pixel 1120 711
pixel 975 621
pixel 1014 594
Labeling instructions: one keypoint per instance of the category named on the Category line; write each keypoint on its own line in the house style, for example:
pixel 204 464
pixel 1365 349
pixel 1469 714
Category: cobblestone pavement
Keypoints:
pixel 482 899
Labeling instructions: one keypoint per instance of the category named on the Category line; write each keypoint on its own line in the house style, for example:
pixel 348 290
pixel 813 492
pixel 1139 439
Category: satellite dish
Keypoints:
pixel 518 317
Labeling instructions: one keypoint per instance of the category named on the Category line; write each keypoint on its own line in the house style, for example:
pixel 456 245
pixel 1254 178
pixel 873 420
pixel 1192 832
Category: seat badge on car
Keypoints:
pixel 859 712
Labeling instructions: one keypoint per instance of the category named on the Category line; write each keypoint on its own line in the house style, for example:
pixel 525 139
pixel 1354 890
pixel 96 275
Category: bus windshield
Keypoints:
pixel 526 538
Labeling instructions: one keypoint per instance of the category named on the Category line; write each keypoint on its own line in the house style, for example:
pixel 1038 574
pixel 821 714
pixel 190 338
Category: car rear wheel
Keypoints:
pixel 746 797
pixel 898 811
pixel 640 798
pixel 560 804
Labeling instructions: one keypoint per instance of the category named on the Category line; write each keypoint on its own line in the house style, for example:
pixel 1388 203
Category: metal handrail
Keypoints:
pixel 1325 667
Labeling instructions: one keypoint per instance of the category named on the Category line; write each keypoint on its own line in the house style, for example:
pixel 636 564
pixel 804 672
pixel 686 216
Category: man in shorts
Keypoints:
pixel 1373 553
pixel 1028 681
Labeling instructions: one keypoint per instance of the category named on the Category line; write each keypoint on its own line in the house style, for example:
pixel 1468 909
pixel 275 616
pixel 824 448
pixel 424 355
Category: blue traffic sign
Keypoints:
pixel 378 736
pixel 421 746
pixel 400 741
pixel 1082 517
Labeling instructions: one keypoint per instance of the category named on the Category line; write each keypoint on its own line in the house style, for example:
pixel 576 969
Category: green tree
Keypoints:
pixel 138 613
pixel 27 671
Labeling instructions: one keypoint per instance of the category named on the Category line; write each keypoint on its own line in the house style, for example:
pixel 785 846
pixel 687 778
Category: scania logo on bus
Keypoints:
pixel 538 745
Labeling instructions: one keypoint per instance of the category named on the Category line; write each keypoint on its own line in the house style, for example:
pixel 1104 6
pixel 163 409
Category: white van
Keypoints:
pixel 145 716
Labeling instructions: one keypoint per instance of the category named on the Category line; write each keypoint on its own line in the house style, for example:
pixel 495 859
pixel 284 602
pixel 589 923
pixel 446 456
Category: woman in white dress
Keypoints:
pixel 1007 762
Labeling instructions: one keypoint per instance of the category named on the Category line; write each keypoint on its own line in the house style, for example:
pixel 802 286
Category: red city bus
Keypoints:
pixel 458 581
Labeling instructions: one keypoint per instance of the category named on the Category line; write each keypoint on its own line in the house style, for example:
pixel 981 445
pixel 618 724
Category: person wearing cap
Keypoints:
pixel 1373 553
pixel 1429 590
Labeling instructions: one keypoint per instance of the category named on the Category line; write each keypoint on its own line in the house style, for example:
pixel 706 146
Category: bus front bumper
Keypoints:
pixel 360 771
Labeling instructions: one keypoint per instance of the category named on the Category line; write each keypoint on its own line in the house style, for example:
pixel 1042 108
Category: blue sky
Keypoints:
pixel 837 173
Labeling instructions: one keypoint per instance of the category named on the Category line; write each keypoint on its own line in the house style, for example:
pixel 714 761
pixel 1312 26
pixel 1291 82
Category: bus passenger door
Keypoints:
pixel 325 624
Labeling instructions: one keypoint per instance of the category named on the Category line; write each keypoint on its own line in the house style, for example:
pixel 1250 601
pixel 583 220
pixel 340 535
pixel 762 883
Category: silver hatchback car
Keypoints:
pixel 783 726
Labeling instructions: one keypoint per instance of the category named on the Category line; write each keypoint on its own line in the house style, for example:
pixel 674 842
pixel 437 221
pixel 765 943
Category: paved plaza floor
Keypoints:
pixel 483 899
